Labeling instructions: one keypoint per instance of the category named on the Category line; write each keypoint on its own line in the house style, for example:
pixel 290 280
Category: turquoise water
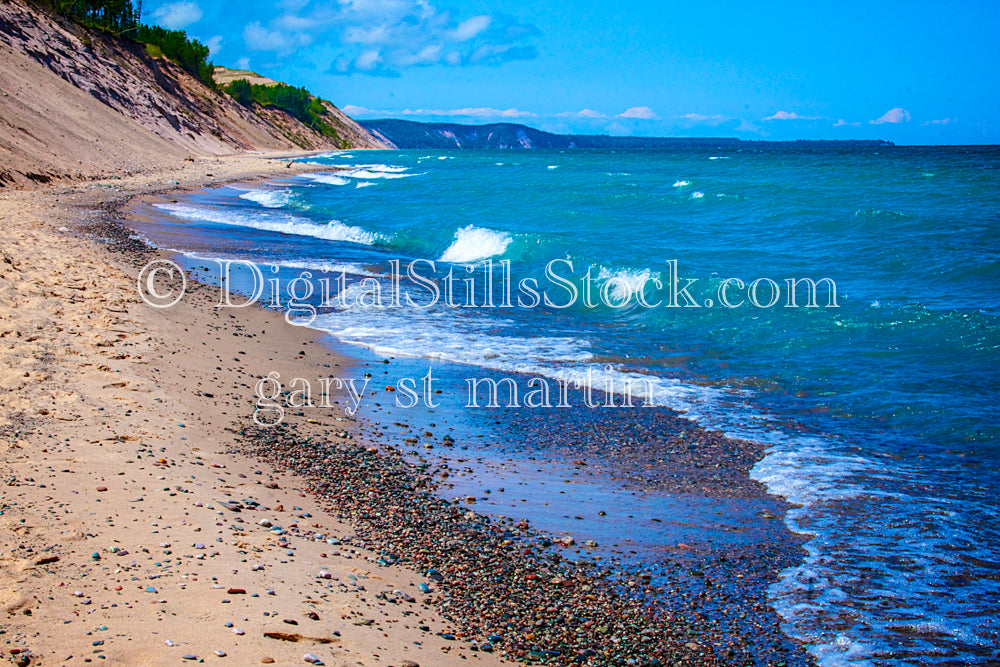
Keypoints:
pixel 881 413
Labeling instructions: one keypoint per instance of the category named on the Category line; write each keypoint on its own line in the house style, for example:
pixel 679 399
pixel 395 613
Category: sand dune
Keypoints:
pixel 77 104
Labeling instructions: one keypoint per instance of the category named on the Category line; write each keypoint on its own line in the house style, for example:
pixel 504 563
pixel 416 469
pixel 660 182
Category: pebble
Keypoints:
pixel 502 580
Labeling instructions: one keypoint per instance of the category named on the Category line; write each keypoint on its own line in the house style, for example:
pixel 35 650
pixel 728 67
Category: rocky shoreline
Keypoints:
pixel 515 590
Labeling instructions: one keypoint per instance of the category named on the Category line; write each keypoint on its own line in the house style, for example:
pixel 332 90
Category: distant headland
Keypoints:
pixel 412 134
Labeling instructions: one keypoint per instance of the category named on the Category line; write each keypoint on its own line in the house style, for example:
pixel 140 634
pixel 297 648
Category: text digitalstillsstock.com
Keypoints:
pixel 162 283
pixel 487 284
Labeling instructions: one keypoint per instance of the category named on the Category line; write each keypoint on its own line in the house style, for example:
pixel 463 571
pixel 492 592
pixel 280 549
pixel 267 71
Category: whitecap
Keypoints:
pixel 275 222
pixel 326 267
pixel 627 283
pixel 371 174
pixel 328 179
pixel 268 198
pixel 472 244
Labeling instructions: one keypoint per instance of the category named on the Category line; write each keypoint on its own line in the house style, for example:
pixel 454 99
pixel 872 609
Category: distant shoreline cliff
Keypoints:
pixel 411 134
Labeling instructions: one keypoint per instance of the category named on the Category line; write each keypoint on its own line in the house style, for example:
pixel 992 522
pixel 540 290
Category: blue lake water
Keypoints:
pixel 881 414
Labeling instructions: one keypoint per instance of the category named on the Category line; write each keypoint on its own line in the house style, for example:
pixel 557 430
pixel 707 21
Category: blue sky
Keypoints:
pixel 911 72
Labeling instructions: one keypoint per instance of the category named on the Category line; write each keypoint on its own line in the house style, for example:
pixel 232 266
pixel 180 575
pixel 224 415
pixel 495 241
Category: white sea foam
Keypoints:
pixel 856 518
pixel 553 166
pixel 377 167
pixel 370 174
pixel 328 179
pixel 331 154
pixel 274 222
pixel 327 267
pixel 268 198
pixel 364 171
pixel 664 392
pixel 304 265
pixel 439 333
pixel 627 282
pixel 478 340
pixel 697 195
pixel 472 244
pixel 681 184
pixel 364 184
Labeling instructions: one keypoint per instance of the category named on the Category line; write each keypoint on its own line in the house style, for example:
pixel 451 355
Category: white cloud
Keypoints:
pixel 367 60
pixel 844 123
pixel 404 33
pixel 214 44
pixel 790 115
pixel 478 112
pixel 366 34
pixel 941 121
pixel 895 115
pixel 494 54
pixel 644 113
pixel 700 118
pixel 472 112
pixel 582 113
pixel 177 15
pixel 353 110
pixel 429 55
pixel 468 29
pixel 783 115
pixel 293 22
pixel 243 63
pixel 259 38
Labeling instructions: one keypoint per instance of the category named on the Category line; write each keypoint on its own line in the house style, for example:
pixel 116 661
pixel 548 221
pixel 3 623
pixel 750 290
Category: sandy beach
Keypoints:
pixel 136 535
pixel 129 535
